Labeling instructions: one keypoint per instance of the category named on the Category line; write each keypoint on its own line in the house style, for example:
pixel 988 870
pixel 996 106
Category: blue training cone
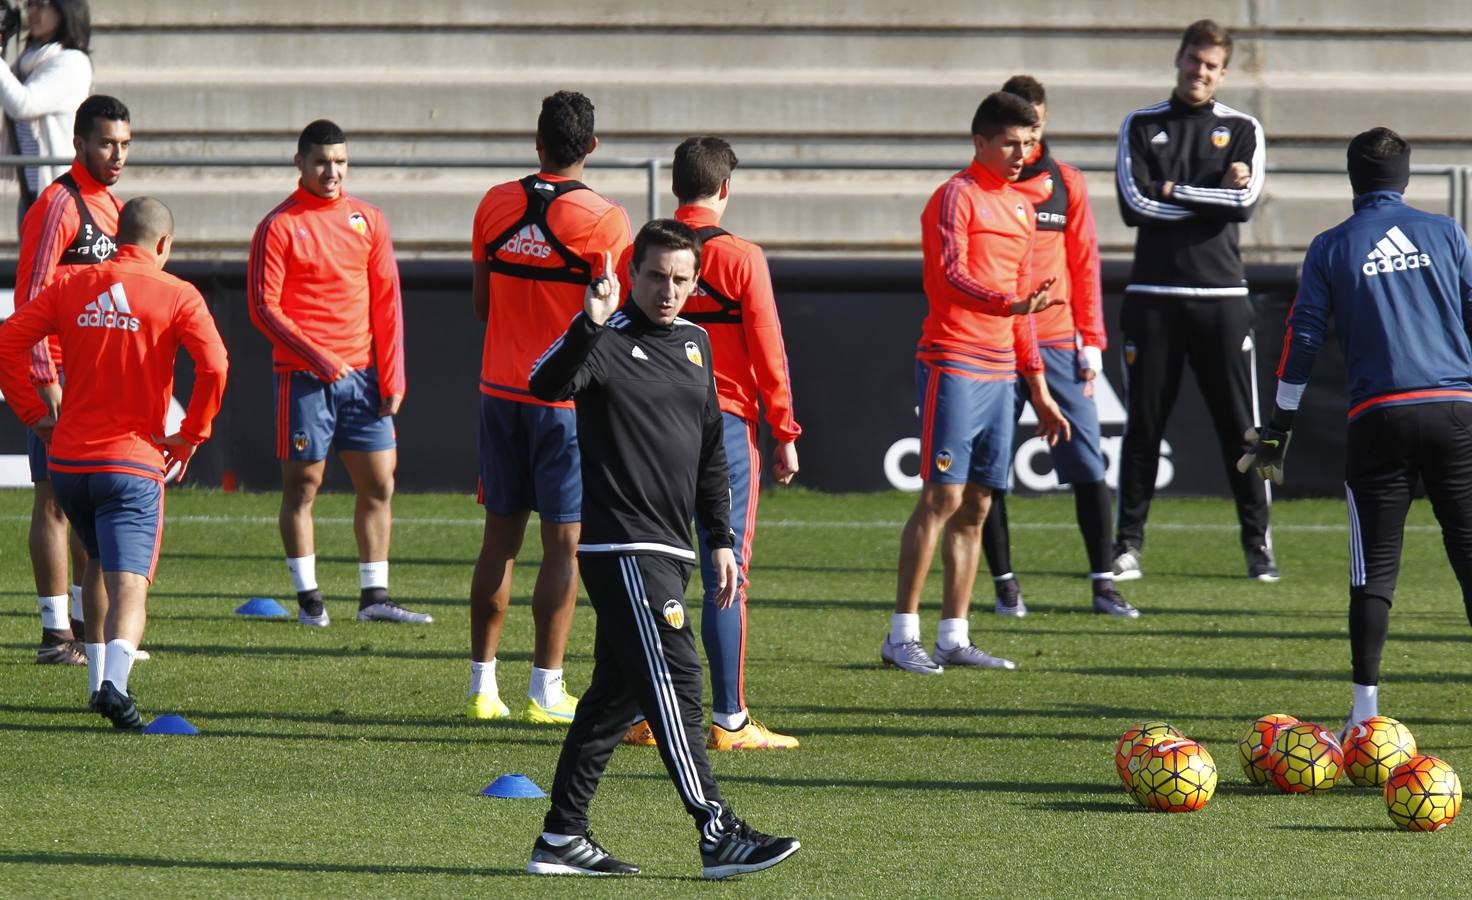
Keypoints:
pixel 262 607
pixel 170 724
pixel 512 786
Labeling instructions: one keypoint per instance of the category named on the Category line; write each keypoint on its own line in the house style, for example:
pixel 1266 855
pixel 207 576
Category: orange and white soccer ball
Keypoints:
pixel 1255 750
pixel 1374 747
pixel 1139 752
pixel 1127 741
pixel 1307 759
pixel 1174 776
pixel 1423 794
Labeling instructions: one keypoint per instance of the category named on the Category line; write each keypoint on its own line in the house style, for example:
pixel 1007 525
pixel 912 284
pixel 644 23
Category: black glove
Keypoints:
pixel 1265 452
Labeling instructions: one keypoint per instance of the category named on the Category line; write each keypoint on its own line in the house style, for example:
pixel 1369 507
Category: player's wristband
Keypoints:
pixel 1281 419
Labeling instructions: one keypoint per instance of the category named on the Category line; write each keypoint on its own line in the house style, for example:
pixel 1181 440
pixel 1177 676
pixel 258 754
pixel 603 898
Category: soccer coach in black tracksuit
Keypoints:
pixel 1188 170
pixel 651 440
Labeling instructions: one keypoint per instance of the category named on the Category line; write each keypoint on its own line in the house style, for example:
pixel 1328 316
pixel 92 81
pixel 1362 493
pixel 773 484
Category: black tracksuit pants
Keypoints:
pixel 1162 333
pixel 644 661
pixel 1389 449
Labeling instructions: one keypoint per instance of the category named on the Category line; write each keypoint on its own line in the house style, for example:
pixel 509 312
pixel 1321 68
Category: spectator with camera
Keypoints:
pixel 41 90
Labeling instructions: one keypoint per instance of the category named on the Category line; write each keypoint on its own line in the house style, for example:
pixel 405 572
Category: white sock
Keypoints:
pixel 373 575
pixel 117 662
pixel 303 571
pixel 96 653
pixel 1366 703
pixel 1001 578
pixel 1102 576
pixel 730 721
pixel 546 687
pixel 558 840
pixel 78 611
pixel 53 612
pixel 952 633
pixel 483 679
pixel 904 627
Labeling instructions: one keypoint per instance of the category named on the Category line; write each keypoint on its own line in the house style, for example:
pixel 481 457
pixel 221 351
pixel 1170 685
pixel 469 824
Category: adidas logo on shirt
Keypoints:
pixel 639 353
pixel 1394 253
pixel 529 241
pixel 109 310
pixel 1160 138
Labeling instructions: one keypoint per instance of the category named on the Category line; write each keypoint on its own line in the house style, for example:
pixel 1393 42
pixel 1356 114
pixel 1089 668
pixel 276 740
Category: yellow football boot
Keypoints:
pixel 485 707
pixel 751 736
pixel 560 713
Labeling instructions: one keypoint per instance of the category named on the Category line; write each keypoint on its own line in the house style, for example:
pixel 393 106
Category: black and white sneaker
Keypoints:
pixel 1109 602
pixel 1009 599
pixel 1261 566
pixel 742 849
pixel 579 856
pixel 118 707
pixel 389 611
pixel 1127 564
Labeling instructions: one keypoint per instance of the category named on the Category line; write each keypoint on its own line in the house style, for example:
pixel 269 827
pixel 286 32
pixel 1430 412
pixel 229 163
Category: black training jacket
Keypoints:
pixel 1187 244
pixel 649 431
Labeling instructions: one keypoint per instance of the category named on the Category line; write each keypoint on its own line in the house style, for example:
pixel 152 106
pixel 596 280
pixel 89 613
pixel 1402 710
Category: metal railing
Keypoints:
pixel 1458 177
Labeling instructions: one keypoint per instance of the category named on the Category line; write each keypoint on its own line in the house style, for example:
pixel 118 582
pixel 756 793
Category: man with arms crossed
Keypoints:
pixel 1187 171
pixel 977 237
pixel 733 302
pixel 1397 284
pixel 323 287
pixel 1071 340
pixel 108 452
pixel 74 223
pixel 535 243
pixel 653 457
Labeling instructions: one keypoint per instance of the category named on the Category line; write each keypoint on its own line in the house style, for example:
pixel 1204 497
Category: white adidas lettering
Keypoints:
pixel 529 241
pixel 1394 253
pixel 109 310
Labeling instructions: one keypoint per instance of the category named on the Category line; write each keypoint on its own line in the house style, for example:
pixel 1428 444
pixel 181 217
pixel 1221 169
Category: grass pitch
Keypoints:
pixel 338 762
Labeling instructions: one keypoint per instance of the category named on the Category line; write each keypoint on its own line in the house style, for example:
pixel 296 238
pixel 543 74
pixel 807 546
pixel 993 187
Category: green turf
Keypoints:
pixel 337 762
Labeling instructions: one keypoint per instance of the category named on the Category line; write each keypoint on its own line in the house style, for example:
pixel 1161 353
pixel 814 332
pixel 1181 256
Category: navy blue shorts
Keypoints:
pixel 120 518
pixel 36 450
pixel 312 416
pixel 966 424
pixel 1079 459
pixel 529 460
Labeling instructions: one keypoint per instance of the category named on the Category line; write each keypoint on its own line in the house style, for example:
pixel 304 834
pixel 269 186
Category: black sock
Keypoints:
pixel 310 601
pixel 1369 622
pixel 995 542
pixel 369 596
pixel 1091 506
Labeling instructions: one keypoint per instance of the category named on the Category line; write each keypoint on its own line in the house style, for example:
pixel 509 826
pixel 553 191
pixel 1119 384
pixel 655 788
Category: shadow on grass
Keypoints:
pixel 528 737
pixel 162 862
pixel 1120 807
pixel 1255 674
pixel 1336 829
pixel 275 556
pixel 897 784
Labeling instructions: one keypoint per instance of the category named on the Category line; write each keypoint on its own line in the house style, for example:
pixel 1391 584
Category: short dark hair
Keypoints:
pixel 1206 33
pixel 667 234
pixel 321 133
pixel 1000 111
pixel 74 31
pixel 97 106
pixel 1378 143
pixel 1026 87
pixel 565 128
pixel 701 164
pixel 144 220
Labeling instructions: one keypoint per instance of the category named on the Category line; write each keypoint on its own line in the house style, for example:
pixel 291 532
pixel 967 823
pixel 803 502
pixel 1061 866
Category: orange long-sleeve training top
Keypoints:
pixel 50 226
pixel 323 286
pixel 1068 254
pixel 976 234
pixel 127 319
pixel 526 315
pixel 748 356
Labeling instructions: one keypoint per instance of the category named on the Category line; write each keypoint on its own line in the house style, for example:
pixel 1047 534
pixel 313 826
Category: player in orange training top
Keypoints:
pixel 324 288
pixel 107 450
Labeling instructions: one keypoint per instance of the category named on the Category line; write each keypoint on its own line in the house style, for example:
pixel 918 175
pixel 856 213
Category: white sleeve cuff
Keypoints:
pixel 1094 357
pixel 1290 395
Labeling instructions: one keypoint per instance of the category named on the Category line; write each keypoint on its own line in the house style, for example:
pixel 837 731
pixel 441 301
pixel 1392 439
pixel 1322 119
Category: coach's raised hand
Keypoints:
pixel 602 296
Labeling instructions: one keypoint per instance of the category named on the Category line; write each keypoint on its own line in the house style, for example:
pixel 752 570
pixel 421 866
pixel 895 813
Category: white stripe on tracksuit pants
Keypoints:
pixel 642 663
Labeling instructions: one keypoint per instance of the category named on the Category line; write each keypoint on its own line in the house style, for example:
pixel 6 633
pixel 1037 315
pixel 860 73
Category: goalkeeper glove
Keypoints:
pixel 1266 451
